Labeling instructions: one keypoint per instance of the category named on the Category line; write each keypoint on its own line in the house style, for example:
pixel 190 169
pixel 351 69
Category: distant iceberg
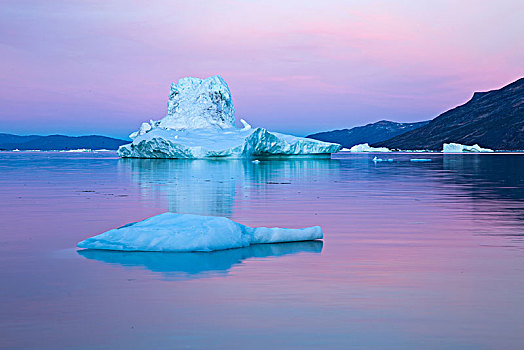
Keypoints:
pixel 78 150
pixel 200 123
pixel 458 148
pixel 364 147
pixel 170 232
pixel 377 160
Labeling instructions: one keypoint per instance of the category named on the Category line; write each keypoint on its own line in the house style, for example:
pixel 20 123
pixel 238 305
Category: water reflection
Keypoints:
pixel 187 266
pixel 488 176
pixel 210 187
pixel 217 187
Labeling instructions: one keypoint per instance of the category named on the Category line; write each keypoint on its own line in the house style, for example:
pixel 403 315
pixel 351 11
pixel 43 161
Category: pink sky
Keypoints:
pixel 83 67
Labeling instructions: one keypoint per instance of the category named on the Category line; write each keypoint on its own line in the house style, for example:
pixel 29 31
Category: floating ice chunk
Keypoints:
pixel 364 147
pixel 170 232
pixel 458 148
pixel 420 160
pixel 200 123
pixel 376 159
pixel 256 161
pixel 78 150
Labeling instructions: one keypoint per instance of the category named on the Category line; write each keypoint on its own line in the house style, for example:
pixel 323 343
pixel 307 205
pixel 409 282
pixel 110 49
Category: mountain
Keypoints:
pixel 58 142
pixel 493 119
pixel 370 133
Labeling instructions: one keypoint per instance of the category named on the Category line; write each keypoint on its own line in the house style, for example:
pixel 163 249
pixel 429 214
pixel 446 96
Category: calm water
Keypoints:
pixel 415 256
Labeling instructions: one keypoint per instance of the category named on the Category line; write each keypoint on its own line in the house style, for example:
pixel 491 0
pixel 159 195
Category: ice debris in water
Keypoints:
pixel 170 232
pixel 364 147
pixel 376 159
pixel 420 160
pixel 458 148
pixel 200 123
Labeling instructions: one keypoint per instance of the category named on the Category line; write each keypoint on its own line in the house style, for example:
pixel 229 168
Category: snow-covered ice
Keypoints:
pixel 458 148
pixel 170 232
pixel 200 123
pixel 210 142
pixel 364 147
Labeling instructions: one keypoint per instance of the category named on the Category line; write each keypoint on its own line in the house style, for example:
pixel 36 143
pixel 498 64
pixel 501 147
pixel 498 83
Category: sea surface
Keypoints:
pixel 416 255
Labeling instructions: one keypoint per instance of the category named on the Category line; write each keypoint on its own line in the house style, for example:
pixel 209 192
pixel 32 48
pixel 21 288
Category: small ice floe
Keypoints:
pixel 256 161
pixel 420 160
pixel 364 147
pixel 170 232
pixel 458 148
pixel 78 150
pixel 382 160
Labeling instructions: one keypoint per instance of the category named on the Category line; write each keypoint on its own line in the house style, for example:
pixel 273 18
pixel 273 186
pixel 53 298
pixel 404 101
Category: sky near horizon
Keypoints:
pixel 104 66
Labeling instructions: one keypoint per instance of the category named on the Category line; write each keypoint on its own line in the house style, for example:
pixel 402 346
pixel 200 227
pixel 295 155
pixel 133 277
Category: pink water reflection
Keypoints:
pixel 415 255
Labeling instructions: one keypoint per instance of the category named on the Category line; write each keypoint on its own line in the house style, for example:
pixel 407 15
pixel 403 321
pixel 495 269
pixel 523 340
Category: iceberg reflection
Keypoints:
pixel 187 266
pixel 212 187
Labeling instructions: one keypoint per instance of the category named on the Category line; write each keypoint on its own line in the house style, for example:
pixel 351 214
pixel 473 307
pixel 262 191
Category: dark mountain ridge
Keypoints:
pixel 492 119
pixel 369 133
pixel 58 142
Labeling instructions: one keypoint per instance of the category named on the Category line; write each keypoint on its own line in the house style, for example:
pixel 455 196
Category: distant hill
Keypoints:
pixel 493 119
pixel 58 142
pixel 370 133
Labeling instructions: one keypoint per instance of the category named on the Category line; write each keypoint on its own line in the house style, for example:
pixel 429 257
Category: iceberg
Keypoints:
pixel 364 147
pixel 171 232
pixel 458 148
pixel 200 123
pixel 78 150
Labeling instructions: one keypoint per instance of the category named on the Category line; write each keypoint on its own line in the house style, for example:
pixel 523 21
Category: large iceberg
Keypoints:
pixel 200 123
pixel 364 147
pixel 170 232
pixel 458 148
